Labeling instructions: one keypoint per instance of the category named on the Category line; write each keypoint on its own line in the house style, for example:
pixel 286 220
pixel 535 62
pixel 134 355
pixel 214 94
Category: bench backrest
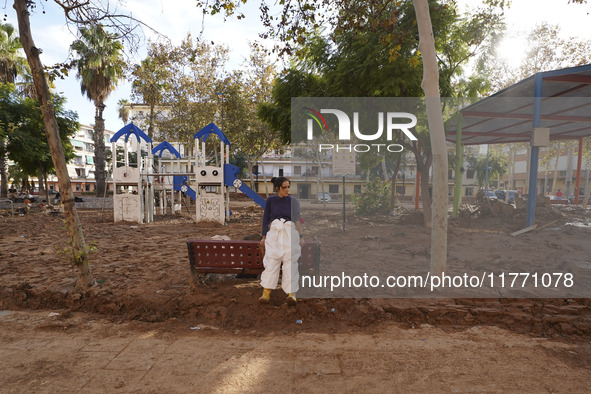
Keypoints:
pixel 241 257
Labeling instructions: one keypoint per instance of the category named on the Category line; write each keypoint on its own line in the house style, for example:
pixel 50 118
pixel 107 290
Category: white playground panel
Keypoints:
pixel 212 198
pixel 127 205
pixel 133 190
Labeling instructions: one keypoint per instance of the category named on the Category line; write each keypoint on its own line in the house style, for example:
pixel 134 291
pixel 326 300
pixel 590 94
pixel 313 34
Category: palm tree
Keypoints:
pixel 100 66
pixel 123 110
pixel 149 81
pixel 12 61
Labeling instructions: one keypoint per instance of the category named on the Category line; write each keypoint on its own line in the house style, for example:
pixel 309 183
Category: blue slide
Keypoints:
pixel 230 179
pixel 179 185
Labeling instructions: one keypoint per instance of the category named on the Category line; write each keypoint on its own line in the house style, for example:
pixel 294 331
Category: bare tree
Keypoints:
pixel 79 250
pixel 91 11
pixel 435 118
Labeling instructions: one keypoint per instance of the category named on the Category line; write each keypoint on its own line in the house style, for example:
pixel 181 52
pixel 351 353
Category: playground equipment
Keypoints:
pixel 133 192
pixel 212 198
pixel 135 187
pixel 165 181
pixel 211 181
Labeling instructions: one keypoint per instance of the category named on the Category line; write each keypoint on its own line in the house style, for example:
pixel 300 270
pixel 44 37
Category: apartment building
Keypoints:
pixel 552 175
pixel 81 168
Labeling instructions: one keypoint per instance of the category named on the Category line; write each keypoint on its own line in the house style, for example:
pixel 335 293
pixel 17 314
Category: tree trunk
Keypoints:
pixel 3 170
pixel 511 176
pixel 384 170
pixel 80 252
pixel 587 188
pixel 99 150
pixel 545 190
pixel 250 165
pixel 430 86
pixel 265 180
pixel 458 170
pixel 393 184
pixel 320 177
pixel 151 123
pixel 570 154
pixel 555 177
pixel 423 167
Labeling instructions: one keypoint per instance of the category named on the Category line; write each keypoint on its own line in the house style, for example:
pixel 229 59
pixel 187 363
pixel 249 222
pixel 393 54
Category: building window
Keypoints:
pixel 356 189
pixel 334 189
pixel 470 174
pixel 281 172
pixel 450 174
pixel 469 191
pixel 297 170
pixel 87 187
pixel 562 173
pixel 77 188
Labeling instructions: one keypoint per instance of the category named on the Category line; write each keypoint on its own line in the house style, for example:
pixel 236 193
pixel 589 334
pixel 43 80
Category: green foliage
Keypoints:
pixel 99 62
pixel 238 159
pixel 185 79
pixel 12 63
pixel 293 83
pixel 149 81
pixel 123 110
pixel 22 123
pixel 375 200
pixel 378 56
pixel 74 258
pixel 497 166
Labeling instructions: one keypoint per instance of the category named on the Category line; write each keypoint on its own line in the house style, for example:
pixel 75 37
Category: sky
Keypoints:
pixel 176 19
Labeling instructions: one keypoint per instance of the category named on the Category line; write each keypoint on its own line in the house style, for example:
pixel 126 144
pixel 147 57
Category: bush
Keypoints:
pixel 375 200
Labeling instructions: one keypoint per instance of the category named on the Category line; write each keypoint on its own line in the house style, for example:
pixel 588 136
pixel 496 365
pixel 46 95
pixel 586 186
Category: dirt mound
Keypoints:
pixel 142 273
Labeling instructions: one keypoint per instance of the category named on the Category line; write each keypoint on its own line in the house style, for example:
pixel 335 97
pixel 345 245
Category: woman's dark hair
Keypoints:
pixel 278 181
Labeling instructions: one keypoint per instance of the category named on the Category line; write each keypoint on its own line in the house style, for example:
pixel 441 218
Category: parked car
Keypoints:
pixel 502 193
pixel 325 198
pixel 492 195
pixel 571 200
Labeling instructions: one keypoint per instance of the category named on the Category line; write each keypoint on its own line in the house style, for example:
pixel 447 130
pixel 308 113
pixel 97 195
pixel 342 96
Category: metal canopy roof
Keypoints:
pixel 508 116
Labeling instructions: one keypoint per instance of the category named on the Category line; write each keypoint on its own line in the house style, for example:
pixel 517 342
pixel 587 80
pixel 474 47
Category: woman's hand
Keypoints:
pixel 262 241
pixel 302 242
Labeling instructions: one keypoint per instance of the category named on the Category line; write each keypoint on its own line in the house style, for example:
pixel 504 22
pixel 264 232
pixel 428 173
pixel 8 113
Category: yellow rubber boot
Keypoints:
pixel 266 297
pixel 291 299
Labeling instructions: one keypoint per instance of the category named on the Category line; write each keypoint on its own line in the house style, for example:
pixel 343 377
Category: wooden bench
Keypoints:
pixel 208 256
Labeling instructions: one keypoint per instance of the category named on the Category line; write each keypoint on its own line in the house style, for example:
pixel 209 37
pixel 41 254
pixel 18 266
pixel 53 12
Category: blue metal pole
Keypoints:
pixel 533 163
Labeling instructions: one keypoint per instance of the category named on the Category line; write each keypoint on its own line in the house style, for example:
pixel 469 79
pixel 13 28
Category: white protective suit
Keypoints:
pixel 281 245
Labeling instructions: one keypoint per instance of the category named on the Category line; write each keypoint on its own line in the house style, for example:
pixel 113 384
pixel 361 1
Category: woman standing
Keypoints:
pixel 282 238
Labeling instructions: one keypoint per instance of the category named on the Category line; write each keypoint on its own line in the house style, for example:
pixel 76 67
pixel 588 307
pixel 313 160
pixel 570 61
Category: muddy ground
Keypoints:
pixel 144 282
